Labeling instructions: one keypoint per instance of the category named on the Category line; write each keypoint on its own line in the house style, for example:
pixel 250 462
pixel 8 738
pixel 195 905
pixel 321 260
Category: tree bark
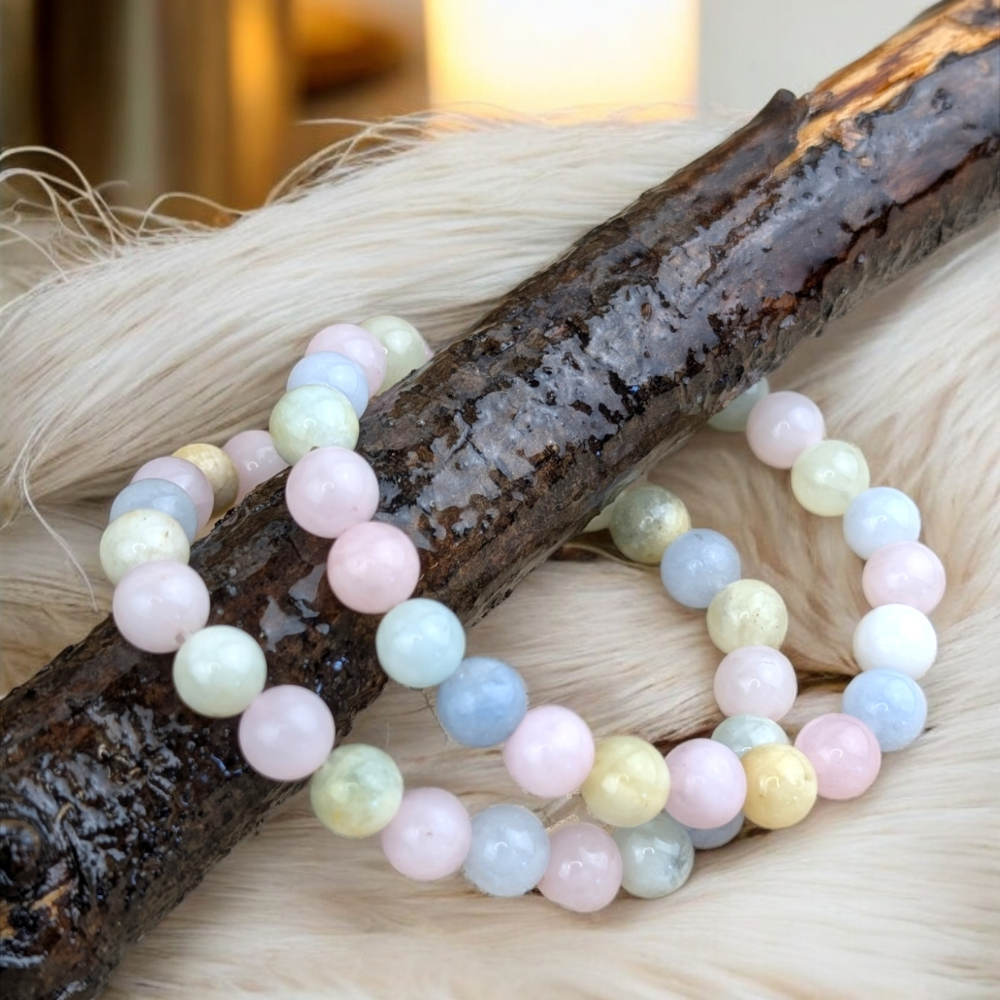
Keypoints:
pixel 116 800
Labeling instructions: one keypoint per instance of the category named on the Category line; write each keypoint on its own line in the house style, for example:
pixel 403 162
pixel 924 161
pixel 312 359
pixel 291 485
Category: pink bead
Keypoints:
pixel 255 457
pixel 585 868
pixel 157 604
pixel 781 426
pixel 372 567
pixel 286 733
pixel 904 573
pixel 356 343
pixel 430 835
pixel 551 752
pixel 330 490
pixel 708 785
pixel 843 751
pixel 755 680
pixel 187 476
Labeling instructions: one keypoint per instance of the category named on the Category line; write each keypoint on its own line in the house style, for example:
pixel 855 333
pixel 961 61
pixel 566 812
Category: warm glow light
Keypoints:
pixel 550 55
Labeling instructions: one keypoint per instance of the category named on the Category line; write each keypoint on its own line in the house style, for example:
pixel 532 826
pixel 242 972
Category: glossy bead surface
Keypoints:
pixel 140 536
pixel 645 521
pixel 256 459
pixel 430 835
pixel 550 753
pixel 733 417
pixel 707 784
pixel 744 732
pixel 844 753
pixel 357 344
pixel 781 426
pixel 287 733
pixel 697 565
pixel 880 516
pixel 405 349
pixel 904 573
pixel 187 476
pixel 755 680
pixel 781 786
pixel 372 567
pixel 357 791
pixel 161 495
pixel 335 370
pixel 219 470
pixel 891 704
pixel 747 613
pixel 509 851
pixel 828 476
pixel 657 857
pixel 420 642
pixel 482 703
pixel 719 836
pixel 330 490
pixel 312 416
pixel 585 868
pixel 628 784
pixel 219 671
pixel 895 637
pixel 158 604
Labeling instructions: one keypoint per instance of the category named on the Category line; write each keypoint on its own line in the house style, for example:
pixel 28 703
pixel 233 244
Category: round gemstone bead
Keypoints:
pixel 158 604
pixel 828 476
pixel 372 567
pixel 755 680
pixel 880 516
pixel 420 642
pixel 657 857
pixel 187 476
pixel 482 703
pixel 161 495
pixel 312 416
pixel 256 459
pixel 551 752
pixel 781 426
pixel 585 868
pixel 891 704
pixel 844 753
pixel 357 344
pixel 733 418
pixel 287 733
pixel 628 784
pixel 603 520
pixel 219 470
pixel 747 613
pixel 430 835
pixel 335 370
pixel 405 349
pixel 219 671
pixel 904 573
pixel 357 791
pixel 697 565
pixel 707 784
pixel 895 637
pixel 645 521
pixel 509 851
pixel 781 786
pixel 744 732
pixel 709 840
pixel 140 536
pixel 330 490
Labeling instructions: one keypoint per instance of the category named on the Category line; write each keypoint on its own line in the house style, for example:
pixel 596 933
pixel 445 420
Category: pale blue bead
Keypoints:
pixel 696 566
pixel 420 642
pixel 744 732
pixel 335 370
pixel 892 705
pixel 509 851
pixel 161 495
pixel 482 702
pixel 880 516
pixel 709 840
pixel 657 857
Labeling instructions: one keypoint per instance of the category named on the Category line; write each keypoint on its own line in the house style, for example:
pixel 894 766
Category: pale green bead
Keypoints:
pixel 734 417
pixel 747 613
pixel 219 671
pixel 138 536
pixel 646 520
pixel 827 476
pixel 357 791
pixel 602 520
pixel 405 349
pixel 312 416
pixel 744 732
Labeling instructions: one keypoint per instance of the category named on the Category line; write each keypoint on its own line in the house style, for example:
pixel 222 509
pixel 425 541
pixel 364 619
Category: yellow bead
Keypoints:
pixel 629 782
pixel 220 471
pixel 405 350
pixel 747 613
pixel 827 476
pixel 357 791
pixel 645 521
pixel 141 535
pixel 781 786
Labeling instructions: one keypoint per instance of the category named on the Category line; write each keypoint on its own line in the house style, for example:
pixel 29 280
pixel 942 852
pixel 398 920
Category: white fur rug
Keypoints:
pixel 135 350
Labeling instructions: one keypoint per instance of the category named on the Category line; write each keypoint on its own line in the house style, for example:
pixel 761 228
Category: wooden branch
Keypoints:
pixel 116 800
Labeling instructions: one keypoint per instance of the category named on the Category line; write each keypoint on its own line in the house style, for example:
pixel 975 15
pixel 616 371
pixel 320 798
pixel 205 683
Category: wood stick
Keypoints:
pixel 116 800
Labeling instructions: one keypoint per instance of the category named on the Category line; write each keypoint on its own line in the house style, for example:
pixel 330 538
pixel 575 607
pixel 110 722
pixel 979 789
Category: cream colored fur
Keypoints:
pixel 137 349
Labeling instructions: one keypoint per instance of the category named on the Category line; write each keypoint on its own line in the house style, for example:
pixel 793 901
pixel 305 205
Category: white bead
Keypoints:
pixel 880 516
pixel 733 417
pixel 896 637
pixel 139 536
pixel 219 671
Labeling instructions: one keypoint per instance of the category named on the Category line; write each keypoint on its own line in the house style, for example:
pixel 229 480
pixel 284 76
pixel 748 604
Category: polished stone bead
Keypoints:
pixel 219 671
pixel 158 604
pixel 707 784
pixel 330 490
pixel 891 704
pixel 880 516
pixel 844 753
pixel 357 344
pixel 220 471
pixel 733 418
pixel 755 680
pixel 895 637
pixel 255 457
pixel 781 786
pixel 781 426
pixel 628 784
pixel 747 613
pixel 420 643
pixel 697 565
pixel 828 476
pixel 709 840
pixel 139 536
pixel 657 857
pixel 161 495
pixel 185 474
pixel 646 519
pixel 372 567
pixel 904 573
pixel 430 835
pixel 482 703
pixel 335 370
pixel 312 416
pixel 405 349
pixel 550 753
pixel 585 868
pixel 744 732
pixel 509 851
pixel 357 791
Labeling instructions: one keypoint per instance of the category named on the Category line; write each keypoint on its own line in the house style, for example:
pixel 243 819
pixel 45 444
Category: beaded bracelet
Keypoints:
pixel 663 808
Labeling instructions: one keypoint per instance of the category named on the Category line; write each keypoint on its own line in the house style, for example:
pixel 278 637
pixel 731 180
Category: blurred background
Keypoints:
pixel 220 98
